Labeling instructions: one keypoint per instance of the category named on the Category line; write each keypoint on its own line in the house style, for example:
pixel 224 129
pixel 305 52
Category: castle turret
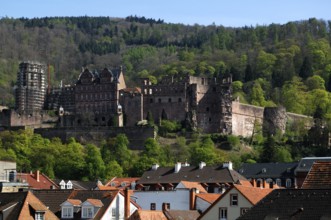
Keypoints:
pixel 31 87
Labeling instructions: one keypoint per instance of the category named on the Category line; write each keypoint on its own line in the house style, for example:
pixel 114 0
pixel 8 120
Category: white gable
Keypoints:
pixel 66 203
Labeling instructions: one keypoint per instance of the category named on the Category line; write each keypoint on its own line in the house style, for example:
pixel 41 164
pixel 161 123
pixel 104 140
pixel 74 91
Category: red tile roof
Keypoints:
pixel 95 202
pixel 74 202
pixel 122 182
pixel 147 215
pixel 191 185
pixel 209 197
pixel 319 176
pixel 253 194
pixel 32 179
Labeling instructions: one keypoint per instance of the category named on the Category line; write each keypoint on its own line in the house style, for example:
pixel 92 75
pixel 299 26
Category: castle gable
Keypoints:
pixel 86 77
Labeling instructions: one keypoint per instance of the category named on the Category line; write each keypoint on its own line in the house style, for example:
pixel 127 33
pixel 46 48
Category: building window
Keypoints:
pixel 279 182
pixel 234 199
pixel 166 205
pixel 288 183
pixel 179 99
pixel 223 213
pixel 113 212
pixel 87 212
pixel 39 216
pixel 153 206
pixel 169 100
pixel 160 100
pixel 259 182
pixel 67 212
pixel 243 210
pixel 150 100
pixel 207 109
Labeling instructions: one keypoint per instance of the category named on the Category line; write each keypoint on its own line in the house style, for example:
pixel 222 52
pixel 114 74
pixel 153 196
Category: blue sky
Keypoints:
pixel 235 13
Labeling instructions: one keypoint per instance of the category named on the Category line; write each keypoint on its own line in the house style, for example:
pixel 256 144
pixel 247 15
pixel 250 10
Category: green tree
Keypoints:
pixel 70 164
pixel 95 166
pixel 315 82
pixel 257 95
pixel 294 96
pixel 264 64
pixel 306 69
pixel 113 169
pixel 268 150
pixel 203 151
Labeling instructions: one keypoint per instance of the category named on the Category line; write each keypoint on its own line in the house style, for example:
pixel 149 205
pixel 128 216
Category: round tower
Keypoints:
pixel 274 119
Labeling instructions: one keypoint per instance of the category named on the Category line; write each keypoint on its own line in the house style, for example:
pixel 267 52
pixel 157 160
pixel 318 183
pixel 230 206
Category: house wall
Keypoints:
pixel 233 211
pixel 118 204
pixel 5 168
pixel 178 199
pixel 201 205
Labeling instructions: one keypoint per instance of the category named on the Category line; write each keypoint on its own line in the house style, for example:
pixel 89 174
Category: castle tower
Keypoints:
pixel 274 119
pixel 31 87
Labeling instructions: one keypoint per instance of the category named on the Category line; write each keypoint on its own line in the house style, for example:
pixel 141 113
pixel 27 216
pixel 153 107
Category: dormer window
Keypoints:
pixel 67 212
pixel 87 212
pixel 69 207
pixel 69 185
pixel 62 184
pixel 39 216
pixel 90 207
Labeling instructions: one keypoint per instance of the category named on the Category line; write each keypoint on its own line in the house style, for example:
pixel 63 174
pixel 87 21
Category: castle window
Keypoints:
pixel 160 100
pixel 288 183
pixel 214 89
pixel 150 91
pixel 209 119
pixel 207 109
pixel 150 100
pixel 202 81
pixel 169 100
pixel 179 99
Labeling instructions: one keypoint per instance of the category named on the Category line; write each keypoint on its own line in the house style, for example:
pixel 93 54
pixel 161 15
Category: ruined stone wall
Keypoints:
pixel 136 135
pixel 132 103
pixel 208 109
pixel 37 119
pixel 168 97
pixel 243 118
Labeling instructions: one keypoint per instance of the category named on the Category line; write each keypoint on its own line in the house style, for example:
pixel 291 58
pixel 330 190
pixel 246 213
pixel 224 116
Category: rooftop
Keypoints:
pixel 319 176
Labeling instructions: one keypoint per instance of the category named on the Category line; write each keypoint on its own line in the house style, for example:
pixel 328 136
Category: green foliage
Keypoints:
pixel 95 166
pixel 168 126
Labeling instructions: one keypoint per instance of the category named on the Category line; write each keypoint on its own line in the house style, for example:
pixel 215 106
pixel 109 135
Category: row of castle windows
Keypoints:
pixel 159 90
pixel 94 96
pixel 160 100
pixel 97 107
pixel 93 88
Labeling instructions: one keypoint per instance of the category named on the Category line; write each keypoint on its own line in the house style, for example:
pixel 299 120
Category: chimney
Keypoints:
pixel 202 165
pixel 127 202
pixel 178 165
pixel 36 175
pixel 227 165
pixel 164 206
pixel 193 193
pixel 155 166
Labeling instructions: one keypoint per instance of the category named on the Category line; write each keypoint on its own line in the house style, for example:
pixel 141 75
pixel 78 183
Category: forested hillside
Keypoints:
pixel 288 64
